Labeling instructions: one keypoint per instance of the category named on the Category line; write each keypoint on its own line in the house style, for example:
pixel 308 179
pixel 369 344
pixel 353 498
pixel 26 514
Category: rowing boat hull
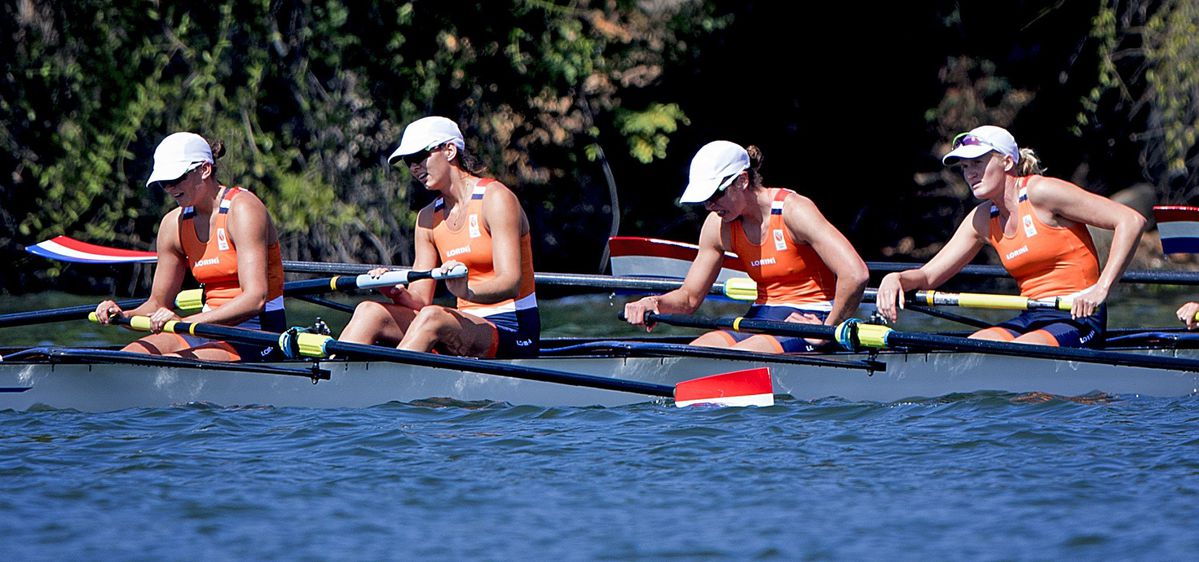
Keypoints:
pixel 107 387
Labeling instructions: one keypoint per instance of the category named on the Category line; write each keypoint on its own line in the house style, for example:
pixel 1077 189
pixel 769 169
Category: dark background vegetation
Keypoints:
pixel 851 106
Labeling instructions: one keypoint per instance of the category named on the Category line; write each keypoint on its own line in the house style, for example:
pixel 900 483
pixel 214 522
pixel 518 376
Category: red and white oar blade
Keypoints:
pixel 751 387
pixel 64 248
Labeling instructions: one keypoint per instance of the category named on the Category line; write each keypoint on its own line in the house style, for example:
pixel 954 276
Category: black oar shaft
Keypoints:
pixel 362 351
pixel 934 341
pixel 795 329
pixel 882 337
pixel 57 315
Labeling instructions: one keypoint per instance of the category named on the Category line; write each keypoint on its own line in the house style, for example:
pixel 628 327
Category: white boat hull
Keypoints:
pixel 107 387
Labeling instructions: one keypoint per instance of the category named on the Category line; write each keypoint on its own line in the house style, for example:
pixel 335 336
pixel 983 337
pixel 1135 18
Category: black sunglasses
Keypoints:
pixel 418 157
pixel 723 187
pixel 167 184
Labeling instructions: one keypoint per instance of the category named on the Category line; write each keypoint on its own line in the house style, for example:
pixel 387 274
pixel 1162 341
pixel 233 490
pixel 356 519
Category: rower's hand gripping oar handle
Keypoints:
pixel 393 278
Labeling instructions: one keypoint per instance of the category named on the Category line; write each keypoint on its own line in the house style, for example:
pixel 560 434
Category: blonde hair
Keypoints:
pixel 1029 164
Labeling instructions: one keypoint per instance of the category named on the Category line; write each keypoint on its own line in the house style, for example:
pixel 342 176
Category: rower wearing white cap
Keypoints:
pixel 806 270
pixel 225 236
pixel 1038 226
pixel 477 222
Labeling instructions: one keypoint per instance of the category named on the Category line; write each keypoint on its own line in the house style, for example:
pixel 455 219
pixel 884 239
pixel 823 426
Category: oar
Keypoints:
pixel 187 300
pixel 978 300
pixel 68 249
pixel 750 387
pixel 854 335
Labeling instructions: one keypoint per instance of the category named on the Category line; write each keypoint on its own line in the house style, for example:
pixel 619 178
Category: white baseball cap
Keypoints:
pixel 981 140
pixel 426 133
pixel 179 154
pixel 713 168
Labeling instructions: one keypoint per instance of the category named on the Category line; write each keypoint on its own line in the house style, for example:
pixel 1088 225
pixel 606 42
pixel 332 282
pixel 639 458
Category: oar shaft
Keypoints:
pixel 882 337
pixel 977 300
pixel 314 345
pixel 57 315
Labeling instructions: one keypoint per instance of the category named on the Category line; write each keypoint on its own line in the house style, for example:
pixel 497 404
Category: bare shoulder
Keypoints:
pixel 1045 187
pixel 246 201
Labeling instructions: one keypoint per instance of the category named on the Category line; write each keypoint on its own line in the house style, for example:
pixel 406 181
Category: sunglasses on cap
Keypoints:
pixel 967 139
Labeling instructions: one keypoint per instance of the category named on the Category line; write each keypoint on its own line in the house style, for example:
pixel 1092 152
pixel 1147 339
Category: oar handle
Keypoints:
pixel 403 277
pixel 365 281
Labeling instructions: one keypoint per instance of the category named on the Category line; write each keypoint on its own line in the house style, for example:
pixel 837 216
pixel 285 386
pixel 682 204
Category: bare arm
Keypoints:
pixel 1068 201
pixel 700 277
pixel 808 224
pixel 961 248
pixel 168 274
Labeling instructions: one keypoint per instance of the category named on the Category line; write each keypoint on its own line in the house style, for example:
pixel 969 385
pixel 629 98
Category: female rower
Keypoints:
pixel 477 222
pixel 805 269
pixel 1038 226
pixel 225 236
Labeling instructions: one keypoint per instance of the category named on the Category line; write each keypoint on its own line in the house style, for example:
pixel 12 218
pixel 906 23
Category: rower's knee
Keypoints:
pixel 370 311
pixel 433 320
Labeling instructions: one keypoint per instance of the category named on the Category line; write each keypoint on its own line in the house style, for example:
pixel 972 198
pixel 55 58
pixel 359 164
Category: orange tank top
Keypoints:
pixel 471 245
pixel 214 263
pixel 787 272
pixel 1046 261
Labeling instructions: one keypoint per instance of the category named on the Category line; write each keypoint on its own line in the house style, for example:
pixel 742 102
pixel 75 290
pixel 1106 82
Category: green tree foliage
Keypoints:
pixel 310 97
pixel 1149 77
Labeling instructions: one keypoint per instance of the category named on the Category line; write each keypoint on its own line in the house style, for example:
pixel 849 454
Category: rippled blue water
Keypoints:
pixel 982 476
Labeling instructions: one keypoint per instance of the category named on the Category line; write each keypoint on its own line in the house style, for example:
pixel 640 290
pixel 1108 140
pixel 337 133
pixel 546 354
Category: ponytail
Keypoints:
pixel 1029 164
pixel 755 162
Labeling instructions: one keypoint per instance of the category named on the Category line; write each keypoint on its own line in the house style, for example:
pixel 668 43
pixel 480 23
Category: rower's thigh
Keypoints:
pixel 718 338
pixel 994 333
pixel 157 344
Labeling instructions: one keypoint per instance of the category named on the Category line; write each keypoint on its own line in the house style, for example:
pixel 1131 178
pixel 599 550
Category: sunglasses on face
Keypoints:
pixel 722 188
pixel 419 157
pixel 167 184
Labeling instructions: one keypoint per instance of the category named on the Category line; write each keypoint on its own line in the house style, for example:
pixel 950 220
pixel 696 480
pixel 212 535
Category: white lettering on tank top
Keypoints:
pixel 457 251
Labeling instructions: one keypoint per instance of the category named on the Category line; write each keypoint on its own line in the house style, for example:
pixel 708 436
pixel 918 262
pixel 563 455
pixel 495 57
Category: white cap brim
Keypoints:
pixel 170 171
pixel 966 152
pixel 699 191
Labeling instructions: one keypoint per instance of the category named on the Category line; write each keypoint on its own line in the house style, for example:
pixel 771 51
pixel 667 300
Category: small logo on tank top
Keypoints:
pixel 1030 229
pixel 760 263
pixel 473 222
pixel 209 261
pixel 780 243
pixel 458 251
pixel 222 240
pixel 1018 252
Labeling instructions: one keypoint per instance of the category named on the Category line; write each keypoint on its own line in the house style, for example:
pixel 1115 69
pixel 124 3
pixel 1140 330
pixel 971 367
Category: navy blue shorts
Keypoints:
pixel 1080 332
pixel 778 313
pixel 517 334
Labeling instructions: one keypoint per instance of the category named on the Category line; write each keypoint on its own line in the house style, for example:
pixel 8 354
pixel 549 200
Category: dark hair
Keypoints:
pixel 218 150
pixel 470 162
pixel 755 161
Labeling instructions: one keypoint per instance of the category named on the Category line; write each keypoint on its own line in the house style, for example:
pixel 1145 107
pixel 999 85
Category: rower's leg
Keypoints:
pixel 157 344
pixel 376 322
pixel 457 332
pixel 1038 337
pixel 994 333
pixel 718 338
